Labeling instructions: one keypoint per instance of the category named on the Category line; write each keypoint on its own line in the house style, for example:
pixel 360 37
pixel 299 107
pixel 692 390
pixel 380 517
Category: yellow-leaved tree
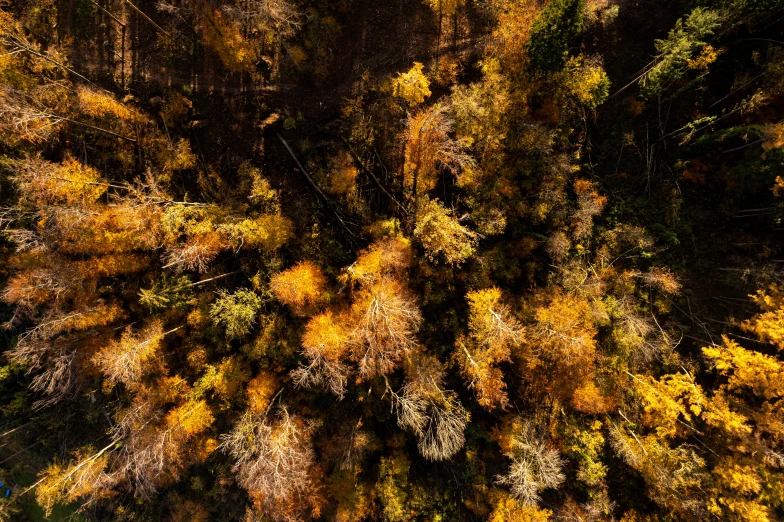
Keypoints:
pixel 413 86
pixel 493 333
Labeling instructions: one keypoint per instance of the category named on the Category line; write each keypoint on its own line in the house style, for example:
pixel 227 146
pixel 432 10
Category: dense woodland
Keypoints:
pixel 415 260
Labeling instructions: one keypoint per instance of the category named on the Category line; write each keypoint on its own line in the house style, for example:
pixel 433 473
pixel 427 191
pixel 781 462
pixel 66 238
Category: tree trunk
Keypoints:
pixel 438 40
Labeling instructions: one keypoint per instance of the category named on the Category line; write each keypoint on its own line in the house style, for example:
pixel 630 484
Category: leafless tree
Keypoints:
pixel 433 413
pixel 535 466
pixel 272 456
pixel 321 371
pixel 388 322
pixel 147 450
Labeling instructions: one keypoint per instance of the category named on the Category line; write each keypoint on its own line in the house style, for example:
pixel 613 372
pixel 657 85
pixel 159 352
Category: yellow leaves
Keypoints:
pixel 413 86
pixel 260 391
pixel 299 287
pixel 667 400
pixel 343 175
pixel 191 417
pixel 588 398
pixel 778 188
pixel 386 256
pixel 768 325
pixel 225 380
pixel 491 322
pixel 479 110
pixel 744 368
pixel 207 230
pixel 564 328
pixel 513 30
pixel 84 478
pixel 134 354
pixel 110 229
pixel 703 61
pixel 103 105
pixel 70 182
pixel 675 397
pixel 720 416
pixel 100 315
pixel 179 156
pixel 442 236
pixel 327 335
pixel 494 331
pixel 589 204
pixel 507 509
pixel 112 264
pixel 737 492
pixel 586 81
pixel 226 39
pixel 266 232
pixel 429 148
pixel 738 478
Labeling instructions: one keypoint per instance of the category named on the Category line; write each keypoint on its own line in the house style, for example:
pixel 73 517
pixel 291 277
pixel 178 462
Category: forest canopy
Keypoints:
pixel 420 260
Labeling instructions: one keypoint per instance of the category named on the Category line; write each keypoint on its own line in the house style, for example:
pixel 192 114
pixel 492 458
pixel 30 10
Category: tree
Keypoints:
pixel 590 204
pixel 556 24
pixel 430 148
pixel 129 359
pixel 535 465
pixel 272 460
pixel 768 325
pixel 236 312
pixel 413 86
pixel 326 345
pixel 299 287
pixel 493 332
pixel 433 413
pixel 385 320
pixel 746 369
pixel 85 478
pixel 442 235
pixel 585 81
pixel 676 50
pixel 386 257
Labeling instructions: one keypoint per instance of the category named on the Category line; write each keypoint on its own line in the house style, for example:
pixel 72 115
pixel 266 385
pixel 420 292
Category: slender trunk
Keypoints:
pixel 122 58
pixel 69 18
pixel 438 40
pixel 454 32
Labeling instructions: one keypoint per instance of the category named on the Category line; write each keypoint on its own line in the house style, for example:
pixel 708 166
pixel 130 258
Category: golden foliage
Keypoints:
pixel 384 257
pixel 191 418
pixel 299 287
pixel 429 148
pixel 413 86
pixel 513 31
pixel 493 332
pixel 237 53
pixel 769 324
pixel 761 373
pixel 507 509
pixel 72 183
pixel 100 104
pixel 343 175
pixel 586 81
pixel 84 479
pixel 261 389
pixel 442 236
pixel 128 359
